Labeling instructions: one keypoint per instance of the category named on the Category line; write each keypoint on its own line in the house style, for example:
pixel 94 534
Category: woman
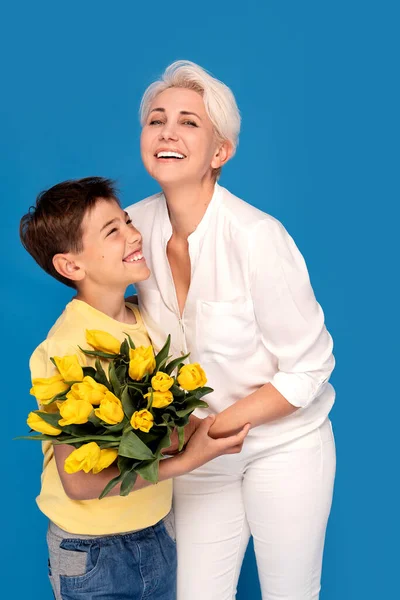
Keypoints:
pixel 230 286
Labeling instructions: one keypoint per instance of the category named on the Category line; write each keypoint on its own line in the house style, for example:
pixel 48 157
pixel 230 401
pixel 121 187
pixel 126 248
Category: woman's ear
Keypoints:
pixel 222 154
pixel 66 266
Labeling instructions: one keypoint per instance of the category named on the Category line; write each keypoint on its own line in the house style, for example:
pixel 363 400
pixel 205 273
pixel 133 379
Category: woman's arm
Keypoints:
pixel 200 449
pixel 292 327
pixel 262 406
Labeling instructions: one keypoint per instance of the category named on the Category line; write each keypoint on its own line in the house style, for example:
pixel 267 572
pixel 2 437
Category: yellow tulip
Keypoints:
pixel 161 382
pixel 110 410
pixel 45 388
pixel 69 367
pixel 142 362
pixel 191 377
pixel 107 457
pixel 143 420
pixel 74 412
pixel 36 423
pixel 83 458
pixel 89 390
pixel 103 341
pixel 161 399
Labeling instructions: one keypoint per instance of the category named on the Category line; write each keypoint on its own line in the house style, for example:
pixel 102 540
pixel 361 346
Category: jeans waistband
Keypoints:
pixel 62 534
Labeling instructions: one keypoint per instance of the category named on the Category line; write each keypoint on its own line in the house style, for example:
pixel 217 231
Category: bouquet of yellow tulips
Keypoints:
pixel 125 415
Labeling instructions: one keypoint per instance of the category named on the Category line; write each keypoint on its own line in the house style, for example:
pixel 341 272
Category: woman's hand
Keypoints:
pixel 201 447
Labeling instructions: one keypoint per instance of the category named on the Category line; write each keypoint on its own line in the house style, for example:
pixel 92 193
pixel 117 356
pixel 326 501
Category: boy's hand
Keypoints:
pixel 201 448
pixel 190 428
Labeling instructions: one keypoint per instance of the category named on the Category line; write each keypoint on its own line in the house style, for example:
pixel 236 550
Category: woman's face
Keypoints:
pixel 178 143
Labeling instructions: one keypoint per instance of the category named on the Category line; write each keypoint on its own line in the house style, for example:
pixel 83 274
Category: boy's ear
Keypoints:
pixel 66 266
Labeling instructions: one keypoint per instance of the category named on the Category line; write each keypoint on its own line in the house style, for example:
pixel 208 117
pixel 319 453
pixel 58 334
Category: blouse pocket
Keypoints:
pixel 227 330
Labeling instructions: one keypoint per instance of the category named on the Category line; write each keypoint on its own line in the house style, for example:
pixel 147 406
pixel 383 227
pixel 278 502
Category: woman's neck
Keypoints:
pixel 187 205
pixel 109 302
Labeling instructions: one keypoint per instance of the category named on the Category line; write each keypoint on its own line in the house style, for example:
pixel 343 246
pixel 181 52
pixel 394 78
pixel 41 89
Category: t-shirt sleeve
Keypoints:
pixel 40 364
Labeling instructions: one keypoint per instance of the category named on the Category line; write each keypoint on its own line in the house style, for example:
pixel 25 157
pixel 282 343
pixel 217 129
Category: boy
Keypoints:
pixel 117 547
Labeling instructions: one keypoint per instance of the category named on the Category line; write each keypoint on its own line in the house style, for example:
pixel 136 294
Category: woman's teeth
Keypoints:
pixel 170 155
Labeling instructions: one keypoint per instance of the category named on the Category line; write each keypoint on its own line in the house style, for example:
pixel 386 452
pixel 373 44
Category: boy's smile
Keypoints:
pixel 134 256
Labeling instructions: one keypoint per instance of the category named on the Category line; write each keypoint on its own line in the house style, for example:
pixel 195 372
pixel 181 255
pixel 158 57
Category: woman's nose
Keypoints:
pixel 168 132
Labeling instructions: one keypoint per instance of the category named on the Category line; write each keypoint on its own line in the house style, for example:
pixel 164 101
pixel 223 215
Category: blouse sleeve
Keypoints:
pixel 290 319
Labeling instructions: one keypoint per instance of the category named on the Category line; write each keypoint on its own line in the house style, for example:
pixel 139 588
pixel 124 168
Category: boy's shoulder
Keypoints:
pixel 67 333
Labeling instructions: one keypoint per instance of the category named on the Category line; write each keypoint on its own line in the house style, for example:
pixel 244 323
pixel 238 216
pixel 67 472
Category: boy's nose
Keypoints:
pixel 134 236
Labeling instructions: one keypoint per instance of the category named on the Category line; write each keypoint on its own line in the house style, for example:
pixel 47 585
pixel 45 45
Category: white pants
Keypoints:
pixel 281 496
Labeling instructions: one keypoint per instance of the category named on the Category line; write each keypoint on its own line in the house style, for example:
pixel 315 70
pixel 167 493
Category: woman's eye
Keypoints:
pixel 191 123
pixel 155 122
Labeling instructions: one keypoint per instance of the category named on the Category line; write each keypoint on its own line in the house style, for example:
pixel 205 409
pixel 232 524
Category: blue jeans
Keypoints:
pixel 139 565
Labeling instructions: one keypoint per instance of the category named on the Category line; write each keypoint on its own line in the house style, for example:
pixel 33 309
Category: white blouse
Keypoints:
pixel 250 317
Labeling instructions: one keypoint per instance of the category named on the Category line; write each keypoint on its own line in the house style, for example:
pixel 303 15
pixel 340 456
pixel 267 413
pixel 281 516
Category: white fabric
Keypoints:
pixel 250 317
pixel 282 497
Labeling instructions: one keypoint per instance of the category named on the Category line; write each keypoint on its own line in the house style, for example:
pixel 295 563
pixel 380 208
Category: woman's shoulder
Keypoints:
pixel 245 215
pixel 144 205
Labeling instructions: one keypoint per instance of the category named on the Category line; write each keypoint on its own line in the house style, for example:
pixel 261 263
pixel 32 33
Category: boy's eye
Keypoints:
pixel 113 230
pixel 129 222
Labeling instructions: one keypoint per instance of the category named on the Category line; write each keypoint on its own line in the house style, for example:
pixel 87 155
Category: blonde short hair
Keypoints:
pixel 219 101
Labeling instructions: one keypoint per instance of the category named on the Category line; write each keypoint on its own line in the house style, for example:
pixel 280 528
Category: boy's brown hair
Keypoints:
pixel 54 225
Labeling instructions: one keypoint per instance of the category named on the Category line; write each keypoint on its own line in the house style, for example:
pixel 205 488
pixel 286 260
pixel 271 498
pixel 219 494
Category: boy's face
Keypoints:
pixel 112 248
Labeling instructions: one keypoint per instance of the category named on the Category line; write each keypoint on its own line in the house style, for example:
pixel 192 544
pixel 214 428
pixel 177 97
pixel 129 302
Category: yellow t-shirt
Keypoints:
pixel 110 515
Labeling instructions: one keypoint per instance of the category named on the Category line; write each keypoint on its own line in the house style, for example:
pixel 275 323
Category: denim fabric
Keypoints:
pixel 133 566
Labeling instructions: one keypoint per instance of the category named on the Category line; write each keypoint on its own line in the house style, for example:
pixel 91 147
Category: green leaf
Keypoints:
pixel 138 385
pixel 149 470
pixel 174 363
pixel 163 354
pixel 51 418
pixel 190 406
pixel 121 373
pixel 110 485
pixel 95 420
pixel 165 442
pixel 131 446
pixel 98 353
pixel 177 392
pixel 108 444
pixel 89 372
pixel 131 344
pixel 124 350
pixel 127 403
pixel 200 392
pixel 60 396
pixel 181 437
pixel 150 399
pixel 114 379
pixel 91 438
pixel 41 437
pixel 128 481
pixel 101 377
pixel 115 428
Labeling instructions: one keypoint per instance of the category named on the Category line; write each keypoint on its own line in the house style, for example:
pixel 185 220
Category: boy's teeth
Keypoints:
pixel 134 257
pixel 169 155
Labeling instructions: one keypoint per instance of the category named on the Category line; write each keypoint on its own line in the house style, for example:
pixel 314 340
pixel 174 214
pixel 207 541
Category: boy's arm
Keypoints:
pixel 200 449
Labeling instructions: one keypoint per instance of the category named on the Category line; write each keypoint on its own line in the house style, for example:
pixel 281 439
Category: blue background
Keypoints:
pixel 317 85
